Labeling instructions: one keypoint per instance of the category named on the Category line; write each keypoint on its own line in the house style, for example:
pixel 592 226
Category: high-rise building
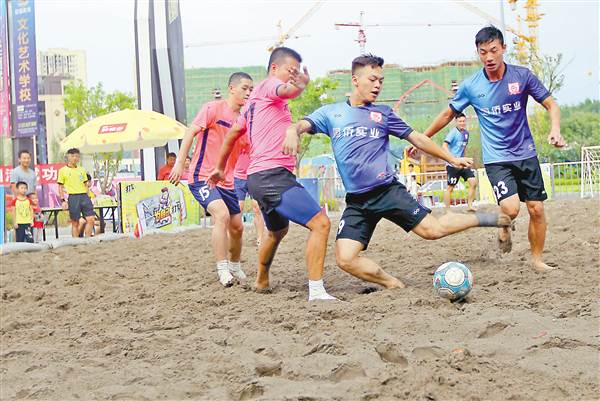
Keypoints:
pixel 62 62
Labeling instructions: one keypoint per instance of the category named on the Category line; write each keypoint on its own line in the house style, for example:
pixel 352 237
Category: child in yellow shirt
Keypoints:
pixel 22 214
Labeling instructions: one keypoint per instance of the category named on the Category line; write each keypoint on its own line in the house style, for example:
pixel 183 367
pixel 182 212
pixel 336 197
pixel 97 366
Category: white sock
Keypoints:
pixel 316 290
pixel 223 265
pixel 235 266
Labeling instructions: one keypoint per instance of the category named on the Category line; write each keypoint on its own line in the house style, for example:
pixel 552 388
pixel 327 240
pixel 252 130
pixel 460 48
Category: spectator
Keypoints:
pixel 22 213
pixel 165 171
pixel 23 173
pixel 73 178
pixel 185 176
pixel 411 181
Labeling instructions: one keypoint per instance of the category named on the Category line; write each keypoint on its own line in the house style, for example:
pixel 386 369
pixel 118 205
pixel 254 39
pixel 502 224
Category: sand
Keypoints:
pixel 146 319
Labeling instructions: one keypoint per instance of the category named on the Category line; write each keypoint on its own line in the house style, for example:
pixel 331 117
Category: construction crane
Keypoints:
pixel 285 36
pixel 521 41
pixel 362 36
pixel 406 94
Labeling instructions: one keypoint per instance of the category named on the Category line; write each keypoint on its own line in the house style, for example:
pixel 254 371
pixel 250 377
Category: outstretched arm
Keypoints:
pixel 232 136
pixel 425 143
pixel 291 144
pixel 440 122
pixel 554 137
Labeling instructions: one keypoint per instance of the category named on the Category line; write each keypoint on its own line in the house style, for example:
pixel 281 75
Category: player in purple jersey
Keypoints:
pixel 499 94
pixel 359 132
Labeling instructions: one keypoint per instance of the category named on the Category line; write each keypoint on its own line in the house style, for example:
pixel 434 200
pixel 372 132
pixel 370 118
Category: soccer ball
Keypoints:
pixel 453 281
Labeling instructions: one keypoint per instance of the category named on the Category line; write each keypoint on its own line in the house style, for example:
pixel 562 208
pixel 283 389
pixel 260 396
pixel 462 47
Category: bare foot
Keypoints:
pixel 260 285
pixel 504 220
pixel 393 284
pixel 265 290
pixel 541 267
pixel 504 240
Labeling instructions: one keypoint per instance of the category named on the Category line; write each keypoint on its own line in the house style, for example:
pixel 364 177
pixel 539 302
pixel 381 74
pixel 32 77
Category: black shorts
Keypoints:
pixel 455 174
pixel 522 177
pixel 80 205
pixel 23 233
pixel 391 202
pixel 281 198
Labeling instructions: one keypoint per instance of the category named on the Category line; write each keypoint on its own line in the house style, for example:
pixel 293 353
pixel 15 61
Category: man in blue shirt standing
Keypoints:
pixel 359 132
pixel 456 143
pixel 499 94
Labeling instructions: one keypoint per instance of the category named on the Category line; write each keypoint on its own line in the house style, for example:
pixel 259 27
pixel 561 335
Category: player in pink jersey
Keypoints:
pixel 264 120
pixel 240 182
pixel 209 127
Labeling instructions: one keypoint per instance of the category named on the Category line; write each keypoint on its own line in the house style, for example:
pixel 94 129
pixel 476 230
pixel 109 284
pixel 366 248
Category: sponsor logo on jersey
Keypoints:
pixel 513 88
pixel 375 116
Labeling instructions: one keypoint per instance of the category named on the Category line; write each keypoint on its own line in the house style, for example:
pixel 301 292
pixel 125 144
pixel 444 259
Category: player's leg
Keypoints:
pixel 259 224
pixel 448 196
pixel 504 186
pixel 531 190
pixel 235 231
pixel 210 200
pixel 353 236
pixel 453 176
pixel 403 210
pixel 472 181
pixel 277 228
pixel 298 206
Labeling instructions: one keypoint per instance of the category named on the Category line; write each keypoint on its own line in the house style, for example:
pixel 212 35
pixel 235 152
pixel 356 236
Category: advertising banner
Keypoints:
pixel 148 206
pixel 45 173
pixel 4 75
pixel 24 68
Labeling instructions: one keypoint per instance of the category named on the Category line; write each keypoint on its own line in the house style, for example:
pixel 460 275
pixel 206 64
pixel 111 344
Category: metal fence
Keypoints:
pixel 563 181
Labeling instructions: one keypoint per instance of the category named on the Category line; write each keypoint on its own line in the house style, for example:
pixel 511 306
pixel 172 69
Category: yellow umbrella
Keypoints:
pixel 124 130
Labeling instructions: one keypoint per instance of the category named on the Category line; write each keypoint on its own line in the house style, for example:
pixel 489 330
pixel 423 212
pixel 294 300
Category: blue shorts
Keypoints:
pixel 241 188
pixel 204 195
pixel 281 198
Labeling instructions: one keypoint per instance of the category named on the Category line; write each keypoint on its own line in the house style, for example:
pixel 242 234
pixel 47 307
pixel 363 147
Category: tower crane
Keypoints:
pixel 362 36
pixel 285 36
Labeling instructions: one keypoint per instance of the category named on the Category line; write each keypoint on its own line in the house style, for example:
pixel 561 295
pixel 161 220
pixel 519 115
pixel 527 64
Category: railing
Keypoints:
pixel 562 180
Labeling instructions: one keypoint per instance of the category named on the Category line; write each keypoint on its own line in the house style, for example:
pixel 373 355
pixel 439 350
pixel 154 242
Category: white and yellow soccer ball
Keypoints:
pixel 453 280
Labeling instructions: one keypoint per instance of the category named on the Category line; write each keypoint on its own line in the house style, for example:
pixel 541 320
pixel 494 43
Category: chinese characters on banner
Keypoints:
pixel 24 68
pixel 4 76
pixel 45 173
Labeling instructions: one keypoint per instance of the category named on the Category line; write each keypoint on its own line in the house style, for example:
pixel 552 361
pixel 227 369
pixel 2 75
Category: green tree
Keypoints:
pixel 84 104
pixel 316 94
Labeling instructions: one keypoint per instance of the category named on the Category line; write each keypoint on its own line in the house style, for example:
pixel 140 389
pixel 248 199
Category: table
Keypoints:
pixel 52 212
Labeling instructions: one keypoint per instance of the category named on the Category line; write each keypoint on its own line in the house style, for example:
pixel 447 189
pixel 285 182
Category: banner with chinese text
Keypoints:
pixel 24 68
pixel 4 75
pixel 45 173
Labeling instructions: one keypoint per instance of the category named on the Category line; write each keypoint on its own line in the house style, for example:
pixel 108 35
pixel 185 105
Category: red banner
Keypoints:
pixel 45 173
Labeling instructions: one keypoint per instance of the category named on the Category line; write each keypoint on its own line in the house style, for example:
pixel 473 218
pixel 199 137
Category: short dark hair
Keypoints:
pixel 280 53
pixel 460 115
pixel 411 165
pixel 18 184
pixel 487 34
pixel 23 151
pixel 237 77
pixel 73 151
pixel 365 60
pixel 187 157
pixel 171 154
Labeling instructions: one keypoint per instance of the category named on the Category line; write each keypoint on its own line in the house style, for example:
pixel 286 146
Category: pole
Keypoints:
pixel 502 21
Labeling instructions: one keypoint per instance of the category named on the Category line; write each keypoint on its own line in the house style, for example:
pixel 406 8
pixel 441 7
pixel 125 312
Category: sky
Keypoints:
pixel 104 29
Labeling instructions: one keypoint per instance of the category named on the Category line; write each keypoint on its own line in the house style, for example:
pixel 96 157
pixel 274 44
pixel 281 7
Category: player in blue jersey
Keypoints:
pixel 499 93
pixel 456 143
pixel 359 132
